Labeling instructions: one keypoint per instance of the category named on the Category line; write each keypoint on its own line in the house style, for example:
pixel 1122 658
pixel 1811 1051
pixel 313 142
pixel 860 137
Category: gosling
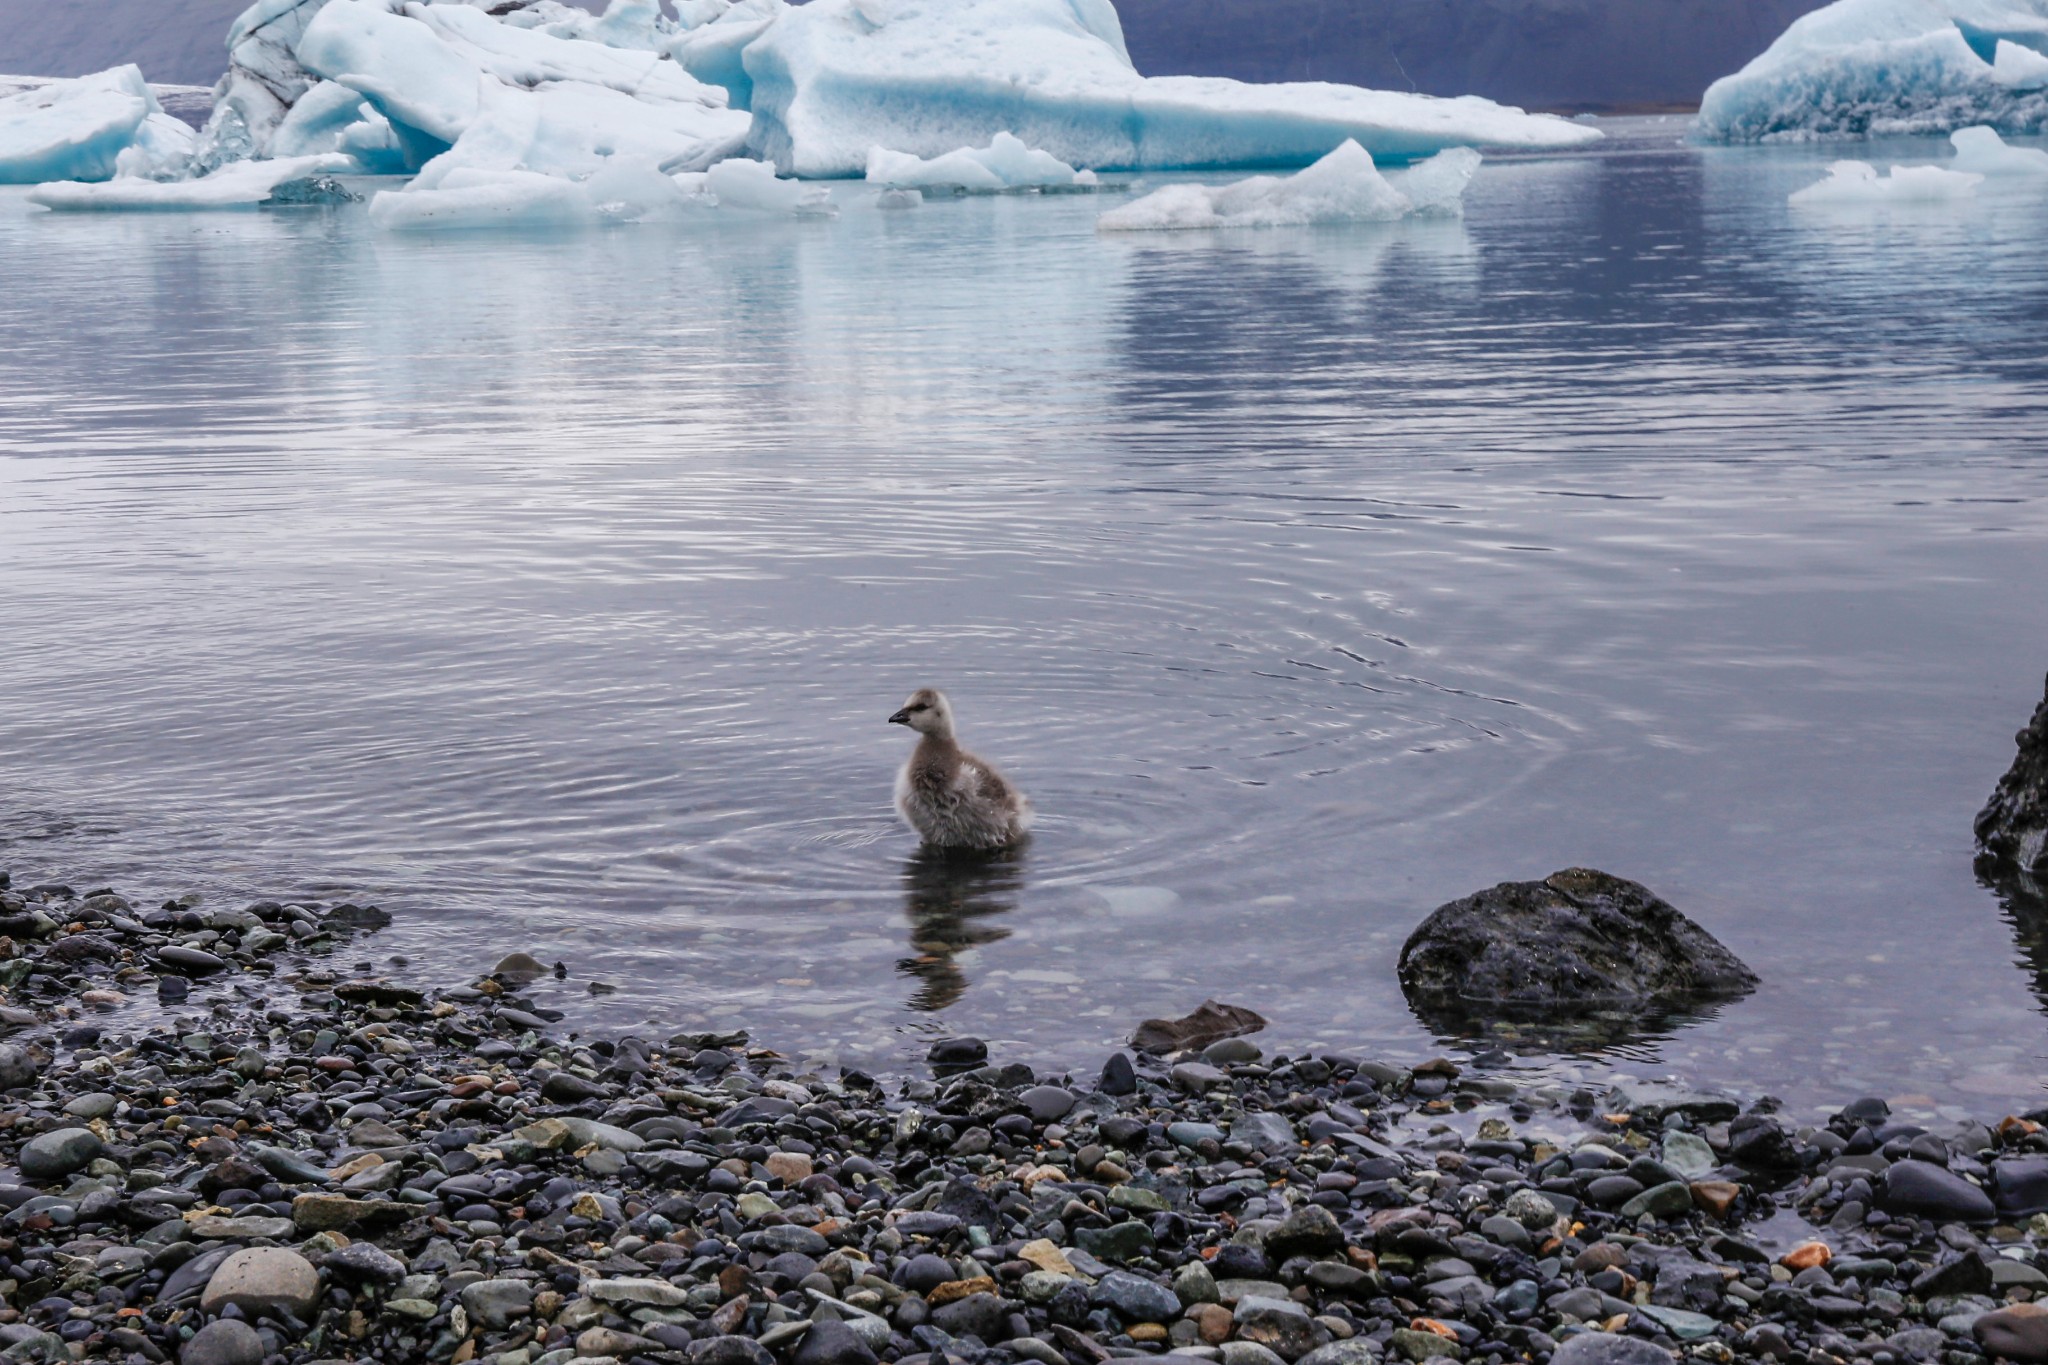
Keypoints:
pixel 951 798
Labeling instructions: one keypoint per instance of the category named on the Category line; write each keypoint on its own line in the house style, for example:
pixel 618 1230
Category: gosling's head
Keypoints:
pixel 927 713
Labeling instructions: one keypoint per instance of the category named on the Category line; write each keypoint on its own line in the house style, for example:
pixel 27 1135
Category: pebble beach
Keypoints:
pixel 343 1165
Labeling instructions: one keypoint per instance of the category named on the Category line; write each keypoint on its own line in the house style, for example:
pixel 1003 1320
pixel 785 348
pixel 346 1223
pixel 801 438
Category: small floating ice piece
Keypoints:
pixel 238 185
pixel 1005 164
pixel 72 130
pixel 743 184
pixel 1343 187
pixel 1983 152
pixel 467 199
pixel 1857 182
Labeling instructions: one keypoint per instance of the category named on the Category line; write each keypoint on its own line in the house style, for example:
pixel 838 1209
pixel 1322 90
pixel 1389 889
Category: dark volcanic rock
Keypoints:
pixel 2012 829
pixel 1578 940
pixel 1924 1190
pixel 2020 1185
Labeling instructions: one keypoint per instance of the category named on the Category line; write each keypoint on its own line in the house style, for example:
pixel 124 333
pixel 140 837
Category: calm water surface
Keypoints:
pixel 551 591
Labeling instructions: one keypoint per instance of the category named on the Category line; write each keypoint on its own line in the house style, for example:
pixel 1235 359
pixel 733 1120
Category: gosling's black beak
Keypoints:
pixel 901 717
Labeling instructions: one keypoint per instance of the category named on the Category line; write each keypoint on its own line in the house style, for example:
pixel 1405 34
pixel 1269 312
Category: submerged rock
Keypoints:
pixel 1211 1022
pixel 311 191
pixel 1579 940
pixel 2012 829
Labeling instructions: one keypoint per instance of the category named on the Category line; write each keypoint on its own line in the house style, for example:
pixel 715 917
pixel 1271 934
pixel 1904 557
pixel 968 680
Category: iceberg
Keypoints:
pixel 242 185
pixel 1857 183
pixel 1873 67
pixel 833 78
pixel 1343 187
pixel 1983 151
pixel 78 129
pixel 1005 164
pixel 461 90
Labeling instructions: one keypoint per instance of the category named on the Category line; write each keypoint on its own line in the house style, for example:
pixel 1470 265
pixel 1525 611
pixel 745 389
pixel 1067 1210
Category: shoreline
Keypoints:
pixel 377 1171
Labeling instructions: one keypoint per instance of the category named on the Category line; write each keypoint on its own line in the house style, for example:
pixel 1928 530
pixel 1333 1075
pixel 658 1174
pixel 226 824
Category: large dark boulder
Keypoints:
pixel 2012 829
pixel 1579 944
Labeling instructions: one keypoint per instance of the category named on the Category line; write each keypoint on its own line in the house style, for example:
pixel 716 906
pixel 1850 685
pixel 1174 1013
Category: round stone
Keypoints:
pixel 59 1153
pixel 223 1342
pixel 1605 1348
pixel 257 1279
pixel 18 1067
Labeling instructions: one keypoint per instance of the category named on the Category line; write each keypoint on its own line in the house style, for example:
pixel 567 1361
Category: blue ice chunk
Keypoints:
pixel 72 130
pixel 1874 67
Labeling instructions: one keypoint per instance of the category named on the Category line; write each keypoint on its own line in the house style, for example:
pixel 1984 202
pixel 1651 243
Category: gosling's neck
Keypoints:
pixel 935 745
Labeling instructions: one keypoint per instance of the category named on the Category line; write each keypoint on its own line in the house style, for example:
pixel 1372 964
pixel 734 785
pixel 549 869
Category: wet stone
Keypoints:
pixel 1280 1325
pixel 1923 1190
pixel 258 1279
pixel 1603 1348
pixel 2017 1332
pixel 59 1153
pixel 224 1342
pixel 1137 1299
pixel 495 1303
pixel 979 1315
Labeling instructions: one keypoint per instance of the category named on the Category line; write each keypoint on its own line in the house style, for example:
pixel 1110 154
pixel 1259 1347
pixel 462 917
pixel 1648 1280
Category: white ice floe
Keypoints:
pixel 1983 151
pixel 1860 67
pixel 1005 164
pixel 833 78
pixel 1857 183
pixel 76 129
pixel 240 185
pixel 465 198
pixel 1343 187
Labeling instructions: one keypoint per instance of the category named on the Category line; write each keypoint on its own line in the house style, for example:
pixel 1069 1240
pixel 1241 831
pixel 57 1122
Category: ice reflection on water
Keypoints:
pixel 553 591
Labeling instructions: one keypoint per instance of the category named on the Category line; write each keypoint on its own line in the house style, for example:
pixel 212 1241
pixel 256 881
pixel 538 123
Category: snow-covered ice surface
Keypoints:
pixel 75 129
pixel 834 78
pixel 240 185
pixel 1984 152
pixel 1005 164
pixel 1343 187
pixel 1876 67
pixel 1857 184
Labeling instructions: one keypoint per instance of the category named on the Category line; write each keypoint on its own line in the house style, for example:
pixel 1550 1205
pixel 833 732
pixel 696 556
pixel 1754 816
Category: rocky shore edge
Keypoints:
pixel 339 1167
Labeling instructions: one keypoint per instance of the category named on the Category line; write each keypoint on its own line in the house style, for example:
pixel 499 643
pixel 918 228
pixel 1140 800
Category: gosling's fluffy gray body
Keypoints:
pixel 950 797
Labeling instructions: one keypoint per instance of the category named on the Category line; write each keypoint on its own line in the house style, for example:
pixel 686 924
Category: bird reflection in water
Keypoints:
pixel 951 899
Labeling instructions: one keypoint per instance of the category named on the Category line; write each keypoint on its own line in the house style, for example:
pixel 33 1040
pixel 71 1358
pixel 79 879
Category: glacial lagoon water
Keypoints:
pixel 551 592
